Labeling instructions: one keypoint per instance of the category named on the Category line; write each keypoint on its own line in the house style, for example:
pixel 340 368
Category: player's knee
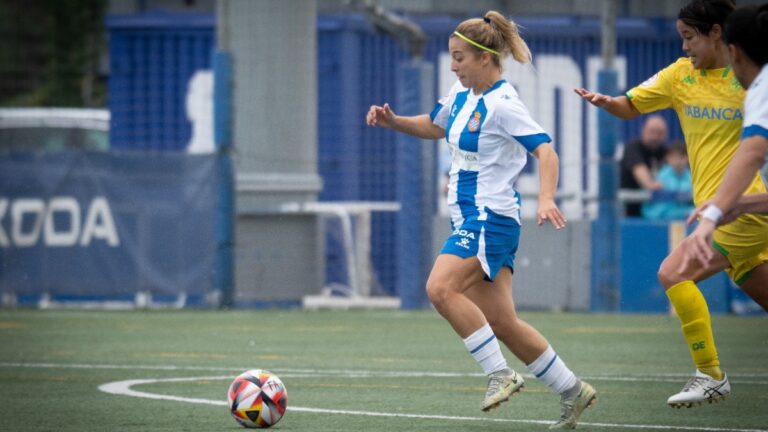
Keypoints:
pixel 668 275
pixel 438 292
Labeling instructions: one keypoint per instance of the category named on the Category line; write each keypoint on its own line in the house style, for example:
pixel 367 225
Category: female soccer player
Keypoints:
pixel 746 31
pixel 489 132
pixel 708 100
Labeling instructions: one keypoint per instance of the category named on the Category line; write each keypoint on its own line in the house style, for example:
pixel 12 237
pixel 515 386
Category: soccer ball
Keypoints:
pixel 257 399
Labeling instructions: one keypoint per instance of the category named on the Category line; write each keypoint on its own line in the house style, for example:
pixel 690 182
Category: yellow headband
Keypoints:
pixel 482 47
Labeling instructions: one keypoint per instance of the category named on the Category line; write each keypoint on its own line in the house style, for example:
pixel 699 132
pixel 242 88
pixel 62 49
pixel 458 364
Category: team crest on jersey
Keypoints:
pixel 474 123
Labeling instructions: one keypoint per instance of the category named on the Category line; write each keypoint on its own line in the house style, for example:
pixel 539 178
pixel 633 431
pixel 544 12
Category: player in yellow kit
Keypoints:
pixel 708 99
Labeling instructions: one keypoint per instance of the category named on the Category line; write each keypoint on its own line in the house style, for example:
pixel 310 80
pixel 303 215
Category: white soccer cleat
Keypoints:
pixel 501 385
pixel 572 407
pixel 701 388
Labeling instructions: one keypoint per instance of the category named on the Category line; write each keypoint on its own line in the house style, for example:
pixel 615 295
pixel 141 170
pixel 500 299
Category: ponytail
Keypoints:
pixel 510 35
pixel 495 34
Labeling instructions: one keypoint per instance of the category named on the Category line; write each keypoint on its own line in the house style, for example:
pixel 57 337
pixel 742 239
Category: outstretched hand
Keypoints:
pixel 548 211
pixel 596 99
pixel 381 116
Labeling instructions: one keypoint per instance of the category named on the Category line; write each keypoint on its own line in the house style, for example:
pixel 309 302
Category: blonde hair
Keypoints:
pixel 496 33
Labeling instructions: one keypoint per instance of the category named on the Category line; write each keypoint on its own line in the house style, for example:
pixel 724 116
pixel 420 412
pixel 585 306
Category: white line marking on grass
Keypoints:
pixel 735 378
pixel 124 388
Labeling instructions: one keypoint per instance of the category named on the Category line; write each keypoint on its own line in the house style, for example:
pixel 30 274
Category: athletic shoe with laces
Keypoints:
pixel 572 405
pixel 701 388
pixel 501 385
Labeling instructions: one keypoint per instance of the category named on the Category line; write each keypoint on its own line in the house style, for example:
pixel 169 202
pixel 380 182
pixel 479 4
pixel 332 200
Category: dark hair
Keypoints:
pixel 678 147
pixel 497 33
pixel 747 28
pixel 704 14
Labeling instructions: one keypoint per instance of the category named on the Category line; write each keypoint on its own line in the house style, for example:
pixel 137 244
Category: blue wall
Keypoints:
pixel 644 245
pixel 153 56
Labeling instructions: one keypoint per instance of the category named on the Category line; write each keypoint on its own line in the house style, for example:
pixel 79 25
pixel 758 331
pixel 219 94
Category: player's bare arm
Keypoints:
pixel 620 106
pixel 755 203
pixel 740 173
pixel 548 176
pixel 420 126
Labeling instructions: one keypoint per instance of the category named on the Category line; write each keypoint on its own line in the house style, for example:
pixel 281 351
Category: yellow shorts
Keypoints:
pixel 744 242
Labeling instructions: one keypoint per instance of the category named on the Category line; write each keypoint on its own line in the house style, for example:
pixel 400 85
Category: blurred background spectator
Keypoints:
pixel 674 200
pixel 642 160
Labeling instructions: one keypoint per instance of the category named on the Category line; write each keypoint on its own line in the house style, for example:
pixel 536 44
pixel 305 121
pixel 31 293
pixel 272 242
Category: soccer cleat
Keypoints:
pixel 571 407
pixel 501 385
pixel 701 388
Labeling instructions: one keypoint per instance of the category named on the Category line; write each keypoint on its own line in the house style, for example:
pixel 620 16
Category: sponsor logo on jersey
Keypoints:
pixel 464 243
pixel 689 80
pixel 464 159
pixel 464 233
pixel 712 113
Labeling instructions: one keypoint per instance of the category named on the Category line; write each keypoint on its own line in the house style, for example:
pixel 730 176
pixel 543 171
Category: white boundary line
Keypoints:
pixel 735 378
pixel 354 373
pixel 124 388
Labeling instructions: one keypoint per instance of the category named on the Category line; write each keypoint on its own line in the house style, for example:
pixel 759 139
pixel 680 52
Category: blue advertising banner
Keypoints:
pixel 108 224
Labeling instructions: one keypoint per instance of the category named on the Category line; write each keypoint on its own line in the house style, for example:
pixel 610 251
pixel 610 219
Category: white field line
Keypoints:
pixel 124 388
pixel 735 378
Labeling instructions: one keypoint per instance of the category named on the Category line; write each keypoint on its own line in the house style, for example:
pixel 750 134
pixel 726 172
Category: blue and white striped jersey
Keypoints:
pixel 756 106
pixel 489 136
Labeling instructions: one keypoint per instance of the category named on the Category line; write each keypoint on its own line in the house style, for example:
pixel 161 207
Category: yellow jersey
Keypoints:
pixel 710 106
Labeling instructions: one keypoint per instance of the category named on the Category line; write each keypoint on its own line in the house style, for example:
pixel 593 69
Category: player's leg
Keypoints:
pixel 709 382
pixel 756 285
pixel 496 301
pixel 450 278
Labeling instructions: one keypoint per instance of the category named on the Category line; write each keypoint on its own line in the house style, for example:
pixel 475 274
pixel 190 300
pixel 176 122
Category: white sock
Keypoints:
pixel 484 347
pixel 553 371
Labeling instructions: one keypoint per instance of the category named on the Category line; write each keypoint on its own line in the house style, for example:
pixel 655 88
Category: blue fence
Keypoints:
pixel 644 245
pixel 152 59
pixel 154 56
pixel 104 226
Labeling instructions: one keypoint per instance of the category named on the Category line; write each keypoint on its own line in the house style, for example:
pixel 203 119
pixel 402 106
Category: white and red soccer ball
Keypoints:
pixel 257 399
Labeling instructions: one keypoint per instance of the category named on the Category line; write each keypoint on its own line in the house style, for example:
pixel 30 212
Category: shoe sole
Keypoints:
pixel 679 405
pixel 497 404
